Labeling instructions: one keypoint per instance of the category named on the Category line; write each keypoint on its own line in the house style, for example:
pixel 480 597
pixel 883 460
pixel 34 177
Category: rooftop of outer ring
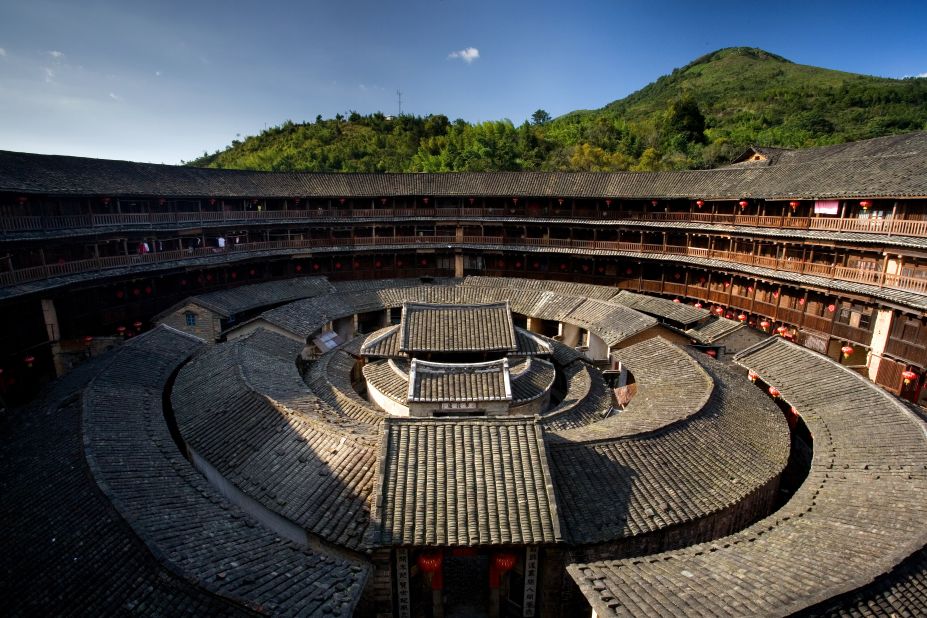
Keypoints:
pixel 888 166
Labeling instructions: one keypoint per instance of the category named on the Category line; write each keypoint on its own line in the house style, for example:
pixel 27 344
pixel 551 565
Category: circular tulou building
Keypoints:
pixel 504 394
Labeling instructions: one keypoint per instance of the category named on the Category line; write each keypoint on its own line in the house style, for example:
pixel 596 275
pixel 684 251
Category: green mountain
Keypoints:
pixel 700 115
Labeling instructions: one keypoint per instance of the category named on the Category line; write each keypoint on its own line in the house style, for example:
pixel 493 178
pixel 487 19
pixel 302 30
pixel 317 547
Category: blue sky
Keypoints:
pixel 164 80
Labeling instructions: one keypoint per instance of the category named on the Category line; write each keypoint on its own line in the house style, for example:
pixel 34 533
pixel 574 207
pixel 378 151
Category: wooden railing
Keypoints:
pixel 874 226
pixel 822 270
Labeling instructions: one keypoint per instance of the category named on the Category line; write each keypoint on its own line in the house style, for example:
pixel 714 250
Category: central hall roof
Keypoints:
pixel 459 382
pixel 454 482
pixel 457 328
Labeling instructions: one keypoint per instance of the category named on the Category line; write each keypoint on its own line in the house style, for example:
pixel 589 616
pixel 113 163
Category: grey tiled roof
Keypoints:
pixel 175 511
pixel 455 482
pixel 872 168
pixel 679 313
pixel 687 470
pixel 670 387
pixel 861 508
pixel 389 379
pixel 531 378
pixel 233 301
pixel 383 343
pixel 66 550
pixel 456 328
pixel 586 401
pixel 247 412
pixel 450 382
pixel 713 329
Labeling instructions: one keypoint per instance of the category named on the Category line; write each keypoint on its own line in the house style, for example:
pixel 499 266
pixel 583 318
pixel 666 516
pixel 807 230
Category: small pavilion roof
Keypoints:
pixel 458 382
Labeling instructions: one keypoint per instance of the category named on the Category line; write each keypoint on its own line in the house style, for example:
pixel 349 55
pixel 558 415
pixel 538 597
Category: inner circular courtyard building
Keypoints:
pixel 692 393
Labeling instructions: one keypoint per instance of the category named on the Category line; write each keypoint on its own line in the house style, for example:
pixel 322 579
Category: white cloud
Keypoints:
pixel 157 73
pixel 468 55
pixel 57 55
pixel 922 75
pixel 115 97
pixel 49 75
pixel 2 53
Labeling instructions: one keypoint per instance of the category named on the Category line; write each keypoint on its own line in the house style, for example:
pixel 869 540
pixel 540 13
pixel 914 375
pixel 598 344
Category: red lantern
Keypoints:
pixel 676 300
pixel 654 201
pixel 560 201
pixel 431 563
pixel 699 203
pixel 120 293
pixel 742 317
pixel 774 392
pixel 847 351
pixel 743 204
pixel 865 204
pixel 299 267
pixel 423 262
pixel 377 264
pixel 337 265
pixel 183 282
pixel 234 275
pixel 504 562
pixel 517 264
pixel 501 563
pixel 776 294
pixel 801 301
pixel 536 265
pixel 698 305
pixel 252 272
pixel 608 202
pixel 629 271
pixel 341 201
pixel 793 204
pixel 21 200
pixel 752 375
pixel 383 201
pixel 764 324
pixel 137 324
pixel 501 263
pixel 514 201
pixel 209 277
pixel 106 201
pixel 88 340
pixel 29 360
pixel 677 276
pixel 148 290
pixel 162 201
pixel 712 353
pixel 563 267
pixel 782 330
pixel 121 330
pixel 357 265
pixel 399 263
pixel 136 292
pixel 908 376
pixel 212 201
pixel 831 308
pixel 719 310
pixel 472 199
pixel 425 201
pixel 585 268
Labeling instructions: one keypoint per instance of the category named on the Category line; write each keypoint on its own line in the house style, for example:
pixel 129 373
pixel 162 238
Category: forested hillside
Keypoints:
pixel 700 115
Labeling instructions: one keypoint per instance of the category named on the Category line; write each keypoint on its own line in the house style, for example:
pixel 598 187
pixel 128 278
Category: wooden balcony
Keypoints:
pixel 898 227
pixel 907 351
pixel 825 271
pixel 861 336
